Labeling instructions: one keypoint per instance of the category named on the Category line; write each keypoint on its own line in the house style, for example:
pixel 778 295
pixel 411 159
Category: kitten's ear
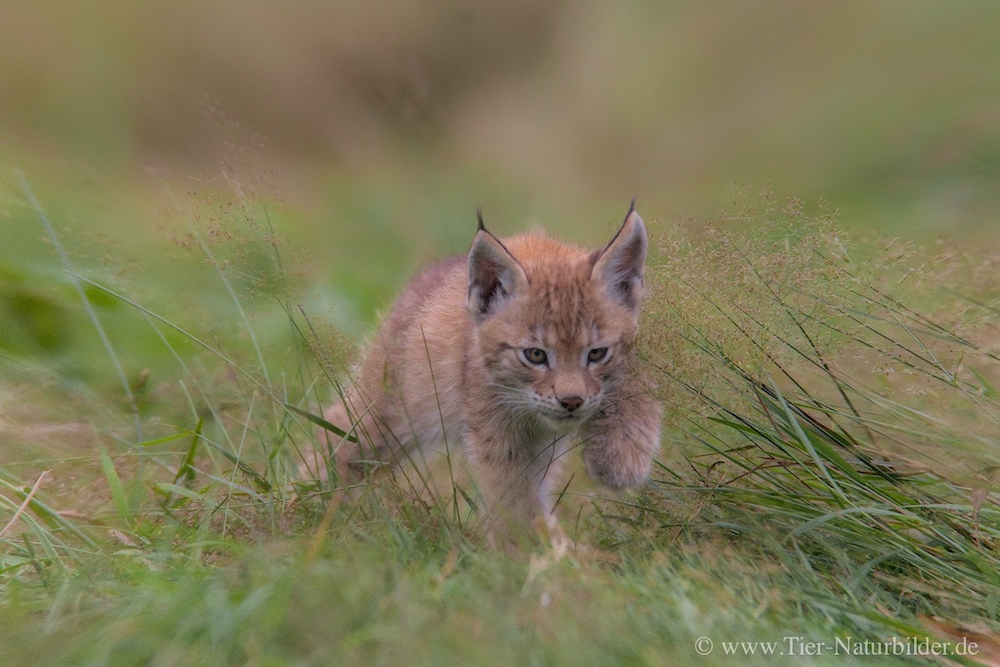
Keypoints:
pixel 619 266
pixel 494 274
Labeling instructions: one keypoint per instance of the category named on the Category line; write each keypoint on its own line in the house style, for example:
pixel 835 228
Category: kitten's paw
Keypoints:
pixel 621 441
pixel 616 467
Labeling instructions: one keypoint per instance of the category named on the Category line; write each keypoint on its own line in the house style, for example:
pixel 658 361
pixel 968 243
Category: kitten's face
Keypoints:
pixel 557 364
pixel 553 322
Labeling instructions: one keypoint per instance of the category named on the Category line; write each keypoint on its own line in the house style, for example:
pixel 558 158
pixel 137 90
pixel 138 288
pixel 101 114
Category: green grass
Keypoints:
pixel 827 472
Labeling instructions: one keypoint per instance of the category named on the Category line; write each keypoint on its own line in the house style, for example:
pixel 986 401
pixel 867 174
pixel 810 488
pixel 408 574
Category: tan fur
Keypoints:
pixel 449 362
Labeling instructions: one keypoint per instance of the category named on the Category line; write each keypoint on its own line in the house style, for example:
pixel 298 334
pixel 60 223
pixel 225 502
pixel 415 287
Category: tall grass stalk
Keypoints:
pixel 878 502
pixel 50 231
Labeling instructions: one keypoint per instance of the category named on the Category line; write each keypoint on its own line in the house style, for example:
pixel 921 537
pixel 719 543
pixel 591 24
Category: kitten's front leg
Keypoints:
pixel 620 441
pixel 513 476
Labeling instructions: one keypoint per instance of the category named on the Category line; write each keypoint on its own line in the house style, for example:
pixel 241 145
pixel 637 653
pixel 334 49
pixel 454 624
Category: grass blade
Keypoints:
pixel 118 496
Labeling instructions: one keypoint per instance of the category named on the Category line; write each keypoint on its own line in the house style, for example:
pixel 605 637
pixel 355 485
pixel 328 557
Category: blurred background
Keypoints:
pixel 381 126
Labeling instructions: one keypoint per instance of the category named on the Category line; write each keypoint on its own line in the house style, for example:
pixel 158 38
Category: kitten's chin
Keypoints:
pixel 562 423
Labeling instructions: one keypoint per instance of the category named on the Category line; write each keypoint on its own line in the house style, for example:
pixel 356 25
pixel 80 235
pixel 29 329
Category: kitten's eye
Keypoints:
pixel 597 354
pixel 535 356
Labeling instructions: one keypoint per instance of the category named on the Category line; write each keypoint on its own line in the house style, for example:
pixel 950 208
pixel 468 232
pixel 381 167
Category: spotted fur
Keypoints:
pixel 458 356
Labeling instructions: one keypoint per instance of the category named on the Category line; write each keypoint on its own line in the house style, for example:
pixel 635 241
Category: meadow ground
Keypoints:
pixel 825 493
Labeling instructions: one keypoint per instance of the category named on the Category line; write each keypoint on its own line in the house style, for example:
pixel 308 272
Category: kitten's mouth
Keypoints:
pixel 563 420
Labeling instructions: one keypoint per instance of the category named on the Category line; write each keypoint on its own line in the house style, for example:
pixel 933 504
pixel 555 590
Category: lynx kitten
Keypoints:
pixel 518 350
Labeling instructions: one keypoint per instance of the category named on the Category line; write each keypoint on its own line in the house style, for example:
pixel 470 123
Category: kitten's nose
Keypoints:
pixel 571 403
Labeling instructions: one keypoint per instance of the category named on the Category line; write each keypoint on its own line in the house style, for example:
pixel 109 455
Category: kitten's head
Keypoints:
pixel 554 322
